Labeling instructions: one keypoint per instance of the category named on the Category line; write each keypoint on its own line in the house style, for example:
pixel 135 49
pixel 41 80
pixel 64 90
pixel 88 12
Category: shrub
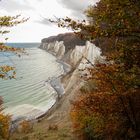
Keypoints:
pixel 4 123
pixel 25 126
pixel 53 127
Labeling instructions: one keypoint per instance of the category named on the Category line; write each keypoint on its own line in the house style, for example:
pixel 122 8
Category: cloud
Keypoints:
pixel 73 8
pixel 77 7
pixel 39 11
pixel 15 5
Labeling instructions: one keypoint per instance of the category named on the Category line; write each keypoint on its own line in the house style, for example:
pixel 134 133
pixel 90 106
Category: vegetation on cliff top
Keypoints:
pixel 70 40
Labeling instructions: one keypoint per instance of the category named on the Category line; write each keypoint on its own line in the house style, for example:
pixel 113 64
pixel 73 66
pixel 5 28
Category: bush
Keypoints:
pixel 25 126
pixel 53 127
pixel 4 124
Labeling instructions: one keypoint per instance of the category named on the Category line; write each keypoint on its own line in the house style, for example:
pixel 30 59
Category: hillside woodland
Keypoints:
pixel 109 105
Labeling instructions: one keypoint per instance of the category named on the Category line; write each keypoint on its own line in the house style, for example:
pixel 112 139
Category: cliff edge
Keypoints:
pixel 70 40
pixel 70 49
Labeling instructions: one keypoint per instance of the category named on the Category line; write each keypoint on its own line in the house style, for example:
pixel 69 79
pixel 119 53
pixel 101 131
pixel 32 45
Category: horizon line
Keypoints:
pixel 22 42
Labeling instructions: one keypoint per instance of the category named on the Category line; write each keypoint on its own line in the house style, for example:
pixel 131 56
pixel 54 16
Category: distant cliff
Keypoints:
pixel 70 40
pixel 71 49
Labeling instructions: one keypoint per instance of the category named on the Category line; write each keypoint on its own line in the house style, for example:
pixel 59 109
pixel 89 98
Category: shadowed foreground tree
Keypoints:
pixel 109 104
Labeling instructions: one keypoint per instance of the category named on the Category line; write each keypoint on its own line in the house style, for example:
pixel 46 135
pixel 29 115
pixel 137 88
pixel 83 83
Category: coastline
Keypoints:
pixel 57 85
pixel 59 113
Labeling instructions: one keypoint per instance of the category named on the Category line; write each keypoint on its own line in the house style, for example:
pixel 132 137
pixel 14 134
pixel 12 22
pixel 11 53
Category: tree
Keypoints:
pixel 111 109
pixel 7 72
pixel 8 21
pixel 4 123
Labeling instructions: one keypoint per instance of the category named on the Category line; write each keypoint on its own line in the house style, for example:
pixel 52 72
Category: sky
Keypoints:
pixel 38 27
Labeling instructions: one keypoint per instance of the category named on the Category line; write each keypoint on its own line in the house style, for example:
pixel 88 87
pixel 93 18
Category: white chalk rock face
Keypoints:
pixel 78 55
pixel 57 48
pixel 44 45
pixel 50 46
pixel 89 51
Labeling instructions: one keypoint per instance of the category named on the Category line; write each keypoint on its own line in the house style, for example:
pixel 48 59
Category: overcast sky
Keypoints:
pixel 37 27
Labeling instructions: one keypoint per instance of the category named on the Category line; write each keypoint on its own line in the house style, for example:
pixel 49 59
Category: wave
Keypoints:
pixel 29 96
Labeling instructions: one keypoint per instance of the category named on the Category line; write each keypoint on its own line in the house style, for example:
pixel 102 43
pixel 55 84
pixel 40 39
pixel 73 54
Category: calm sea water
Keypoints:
pixel 28 95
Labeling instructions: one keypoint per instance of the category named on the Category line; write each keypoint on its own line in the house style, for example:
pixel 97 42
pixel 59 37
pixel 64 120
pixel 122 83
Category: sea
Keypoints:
pixel 29 96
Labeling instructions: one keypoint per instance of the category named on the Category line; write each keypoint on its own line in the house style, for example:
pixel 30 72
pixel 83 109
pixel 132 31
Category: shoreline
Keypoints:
pixel 57 85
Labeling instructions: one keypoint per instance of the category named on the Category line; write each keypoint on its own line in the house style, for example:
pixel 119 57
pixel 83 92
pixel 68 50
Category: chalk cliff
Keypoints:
pixel 69 51
pixel 70 40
